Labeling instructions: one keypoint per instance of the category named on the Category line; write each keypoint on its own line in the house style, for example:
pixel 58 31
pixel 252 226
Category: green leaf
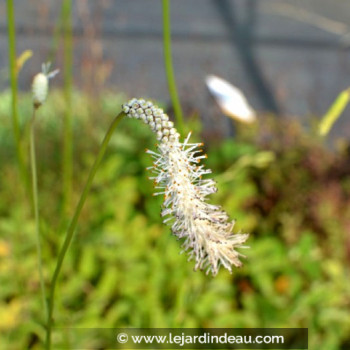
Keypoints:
pixel 334 112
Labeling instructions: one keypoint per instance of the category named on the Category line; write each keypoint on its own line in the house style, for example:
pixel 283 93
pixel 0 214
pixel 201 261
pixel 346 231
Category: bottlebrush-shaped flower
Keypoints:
pixel 205 228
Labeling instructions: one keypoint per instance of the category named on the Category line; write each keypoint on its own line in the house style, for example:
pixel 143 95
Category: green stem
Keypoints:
pixel 73 225
pixel 14 89
pixel 36 207
pixel 57 31
pixel 67 166
pixel 169 70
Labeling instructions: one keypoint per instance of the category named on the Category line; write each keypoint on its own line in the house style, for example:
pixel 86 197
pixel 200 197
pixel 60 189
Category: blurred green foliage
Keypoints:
pixel 124 268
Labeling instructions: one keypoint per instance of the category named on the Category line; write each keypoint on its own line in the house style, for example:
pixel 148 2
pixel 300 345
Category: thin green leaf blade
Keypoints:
pixel 334 112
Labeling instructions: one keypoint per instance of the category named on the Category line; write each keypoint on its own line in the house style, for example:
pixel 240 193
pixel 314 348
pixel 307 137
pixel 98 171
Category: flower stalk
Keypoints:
pixel 14 89
pixel 36 207
pixel 169 69
pixel 67 160
pixel 73 225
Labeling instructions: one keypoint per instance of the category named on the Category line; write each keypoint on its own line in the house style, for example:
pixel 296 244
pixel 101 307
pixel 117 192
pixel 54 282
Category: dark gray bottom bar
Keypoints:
pixel 181 338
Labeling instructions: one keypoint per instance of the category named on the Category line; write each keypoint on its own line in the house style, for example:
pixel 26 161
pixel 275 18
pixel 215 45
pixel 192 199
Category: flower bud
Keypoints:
pixel 40 85
pixel 40 89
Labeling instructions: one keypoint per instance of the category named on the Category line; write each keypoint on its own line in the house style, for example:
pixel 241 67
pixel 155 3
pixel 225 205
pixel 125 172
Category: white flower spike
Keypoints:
pixel 40 85
pixel 205 228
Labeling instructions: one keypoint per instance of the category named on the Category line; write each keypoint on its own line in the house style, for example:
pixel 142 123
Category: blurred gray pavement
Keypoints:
pixel 289 56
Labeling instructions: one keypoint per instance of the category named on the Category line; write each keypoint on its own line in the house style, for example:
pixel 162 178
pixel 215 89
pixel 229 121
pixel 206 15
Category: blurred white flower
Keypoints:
pixel 40 85
pixel 230 99
pixel 206 229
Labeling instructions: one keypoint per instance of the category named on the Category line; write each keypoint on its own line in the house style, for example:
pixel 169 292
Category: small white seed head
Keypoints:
pixel 40 88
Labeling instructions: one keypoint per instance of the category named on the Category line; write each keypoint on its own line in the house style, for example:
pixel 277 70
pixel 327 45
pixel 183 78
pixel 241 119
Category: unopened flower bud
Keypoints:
pixel 40 85
pixel 40 89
